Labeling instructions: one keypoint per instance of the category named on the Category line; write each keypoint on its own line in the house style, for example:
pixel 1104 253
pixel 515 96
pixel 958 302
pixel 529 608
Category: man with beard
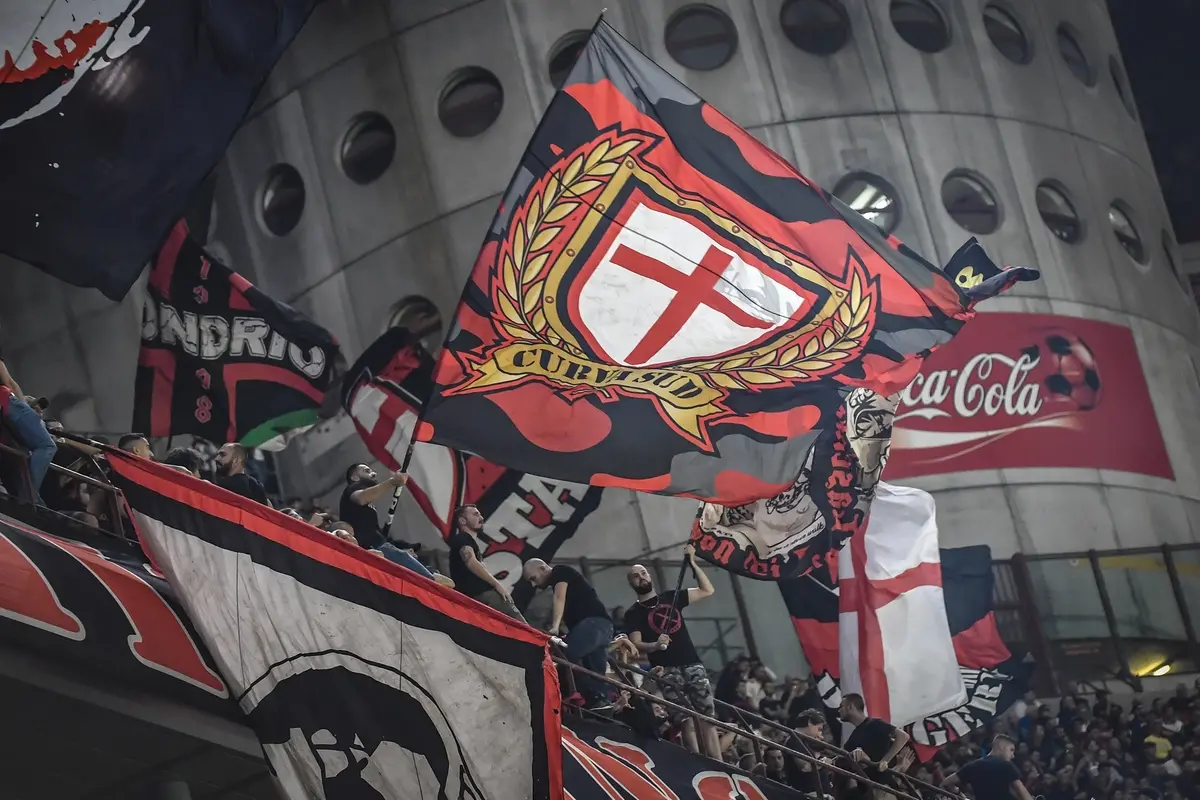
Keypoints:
pixel 656 627
pixel 467 569
pixel 231 473
pixel 363 488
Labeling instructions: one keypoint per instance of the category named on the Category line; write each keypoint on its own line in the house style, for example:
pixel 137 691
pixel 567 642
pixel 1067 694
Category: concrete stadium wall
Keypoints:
pixel 878 105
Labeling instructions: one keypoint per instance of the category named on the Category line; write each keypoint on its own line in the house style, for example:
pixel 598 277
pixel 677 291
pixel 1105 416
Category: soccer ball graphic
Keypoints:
pixel 1072 372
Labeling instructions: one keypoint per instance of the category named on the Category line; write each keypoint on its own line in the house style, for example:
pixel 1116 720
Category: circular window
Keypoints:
pixel 1121 220
pixel 420 317
pixel 471 102
pixel 871 196
pixel 970 203
pixel 820 27
pixel 921 24
pixel 1058 213
pixel 1006 34
pixel 701 37
pixel 1072 53
pixel 564 55
pixel 368 147
pixel 1118 79
pixel 281 199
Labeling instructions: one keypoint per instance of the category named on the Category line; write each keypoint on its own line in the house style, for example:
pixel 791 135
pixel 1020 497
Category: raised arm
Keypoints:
pixel 706 588
pixel 364 497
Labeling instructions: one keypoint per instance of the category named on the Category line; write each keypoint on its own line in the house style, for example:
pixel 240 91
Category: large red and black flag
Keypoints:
pixel 664 304
pixel 526 516
pixel 993 678
pixel 223 361
pixel 360 678
pixel 111 114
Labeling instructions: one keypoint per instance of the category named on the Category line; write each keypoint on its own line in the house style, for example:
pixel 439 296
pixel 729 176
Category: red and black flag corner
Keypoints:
pixel 665 305
pixel 221 360
pixel 111 114
pixel 993 677
pixel 358 677
pixel 526 516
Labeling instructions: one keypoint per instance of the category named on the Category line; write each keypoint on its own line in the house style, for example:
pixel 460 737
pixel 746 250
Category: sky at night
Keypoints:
pixel 1160 44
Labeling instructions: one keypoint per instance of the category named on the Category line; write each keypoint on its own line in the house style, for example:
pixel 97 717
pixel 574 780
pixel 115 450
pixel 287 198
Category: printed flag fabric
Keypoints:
pixel 111 114
pixel 801 528
pixel 223 361
pixel 992 677
pixel 893 632
pixel 663 304
pixel 526 516
pixel 360 678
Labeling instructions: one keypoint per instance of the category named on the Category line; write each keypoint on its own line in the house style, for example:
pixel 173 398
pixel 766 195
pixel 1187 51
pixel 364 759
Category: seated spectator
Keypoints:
pixel 231 473
pixel 185 458
pixel 25 424
pixel 803 775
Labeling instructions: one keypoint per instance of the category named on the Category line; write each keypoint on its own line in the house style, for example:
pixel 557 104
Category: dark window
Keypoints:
pixel 1118 79
pixel 1006 34
pixel 563 56
pixel 701 37
pixel 1121 219
pixel 368 147
pixel 1058 212
pixel 471 102
pixel 281 200
pixel 1072 53
pixel 921 24
pixel 820 27
pixel 420 316
pixel 871 196
pixel 970 203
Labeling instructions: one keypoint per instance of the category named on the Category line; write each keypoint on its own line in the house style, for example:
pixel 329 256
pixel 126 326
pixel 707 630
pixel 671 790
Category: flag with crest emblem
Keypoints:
pixel 663 304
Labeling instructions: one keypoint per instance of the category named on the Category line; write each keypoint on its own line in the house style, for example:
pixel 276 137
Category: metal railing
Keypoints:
pixel 844 765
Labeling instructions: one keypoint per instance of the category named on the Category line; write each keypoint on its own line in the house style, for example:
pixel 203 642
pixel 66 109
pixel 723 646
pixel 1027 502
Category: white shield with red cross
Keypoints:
pixel 666 288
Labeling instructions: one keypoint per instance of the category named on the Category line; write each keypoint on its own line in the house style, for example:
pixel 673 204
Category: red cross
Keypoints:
pixel 691 292
pixel 866 597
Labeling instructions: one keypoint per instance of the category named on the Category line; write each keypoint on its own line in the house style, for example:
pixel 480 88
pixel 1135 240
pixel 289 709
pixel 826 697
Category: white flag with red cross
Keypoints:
pixel 894 637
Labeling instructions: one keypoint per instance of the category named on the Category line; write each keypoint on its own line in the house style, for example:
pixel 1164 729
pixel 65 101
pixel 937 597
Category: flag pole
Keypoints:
pixel 408 454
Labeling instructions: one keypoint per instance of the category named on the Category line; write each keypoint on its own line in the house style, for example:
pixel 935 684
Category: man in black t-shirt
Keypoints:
pixel 470 575
pixel 231 473
pixel 656 627
pixel 589 627
pixel 995 777
pixel 873 743
pixel 363 488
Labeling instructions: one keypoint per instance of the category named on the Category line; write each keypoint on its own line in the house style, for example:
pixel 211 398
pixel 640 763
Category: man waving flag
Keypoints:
pixel 664 304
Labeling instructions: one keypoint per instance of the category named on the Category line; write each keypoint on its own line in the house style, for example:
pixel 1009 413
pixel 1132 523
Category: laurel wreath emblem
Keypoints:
pixel 536 234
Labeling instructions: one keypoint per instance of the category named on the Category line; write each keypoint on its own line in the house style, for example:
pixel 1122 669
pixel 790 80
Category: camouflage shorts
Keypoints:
pixel 687 686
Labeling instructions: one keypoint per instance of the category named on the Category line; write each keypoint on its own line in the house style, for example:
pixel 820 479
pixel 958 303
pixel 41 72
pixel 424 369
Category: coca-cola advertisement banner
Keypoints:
pixel 1029 390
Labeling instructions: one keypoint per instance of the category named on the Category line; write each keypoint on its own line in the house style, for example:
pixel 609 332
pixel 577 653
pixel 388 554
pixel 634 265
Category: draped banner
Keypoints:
pixel 360 678
pixel 223 361
pixel 604 762
pixel 95 604
pixel 1030 390
pixel 111 114
pixel 665 305
pixel 526 516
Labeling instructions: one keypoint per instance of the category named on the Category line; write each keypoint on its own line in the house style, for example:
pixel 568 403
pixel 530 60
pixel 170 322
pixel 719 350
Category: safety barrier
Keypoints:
pixel 761 744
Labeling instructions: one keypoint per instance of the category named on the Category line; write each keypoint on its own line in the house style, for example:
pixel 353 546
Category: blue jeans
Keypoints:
pixel 30 431
pixel 403 558
pixel 587 646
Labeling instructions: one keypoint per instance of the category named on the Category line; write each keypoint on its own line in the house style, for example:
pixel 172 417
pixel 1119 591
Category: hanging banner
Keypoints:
pixel 1032 391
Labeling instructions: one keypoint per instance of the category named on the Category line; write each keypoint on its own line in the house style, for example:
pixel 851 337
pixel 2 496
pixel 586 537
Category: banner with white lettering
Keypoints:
pixel 1029 390
pixel 525 516
pixel 223 361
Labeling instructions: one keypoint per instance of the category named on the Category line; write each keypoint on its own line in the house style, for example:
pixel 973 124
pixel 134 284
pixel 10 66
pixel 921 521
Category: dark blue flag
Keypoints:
pixel 111 114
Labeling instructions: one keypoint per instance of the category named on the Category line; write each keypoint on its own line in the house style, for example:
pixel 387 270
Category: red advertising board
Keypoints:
pixel 1029 390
